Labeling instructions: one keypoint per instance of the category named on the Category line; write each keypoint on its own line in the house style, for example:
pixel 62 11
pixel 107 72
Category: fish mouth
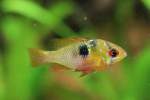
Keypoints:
pixel 126 54
pixel 123 53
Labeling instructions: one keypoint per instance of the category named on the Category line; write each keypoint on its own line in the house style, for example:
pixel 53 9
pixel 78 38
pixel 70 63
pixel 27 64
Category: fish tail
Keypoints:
pixel 39 57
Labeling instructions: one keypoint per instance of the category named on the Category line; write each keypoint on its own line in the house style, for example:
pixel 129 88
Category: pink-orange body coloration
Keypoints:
pixel 81 55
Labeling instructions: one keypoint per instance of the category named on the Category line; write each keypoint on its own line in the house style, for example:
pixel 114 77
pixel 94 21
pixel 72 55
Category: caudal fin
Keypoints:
pixel 38 57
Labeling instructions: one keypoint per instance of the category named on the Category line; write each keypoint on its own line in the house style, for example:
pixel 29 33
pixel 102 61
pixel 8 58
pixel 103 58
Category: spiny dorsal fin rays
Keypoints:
pixel 55 44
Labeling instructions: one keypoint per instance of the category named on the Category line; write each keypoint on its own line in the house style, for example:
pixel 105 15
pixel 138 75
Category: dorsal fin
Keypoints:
pixel 55 44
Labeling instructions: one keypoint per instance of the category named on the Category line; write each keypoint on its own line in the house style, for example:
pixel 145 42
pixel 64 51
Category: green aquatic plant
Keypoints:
pixel 21 34
pixel 2 84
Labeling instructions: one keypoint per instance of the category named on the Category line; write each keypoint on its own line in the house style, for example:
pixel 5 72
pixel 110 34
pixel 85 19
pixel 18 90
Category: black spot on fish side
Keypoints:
pixel 83 50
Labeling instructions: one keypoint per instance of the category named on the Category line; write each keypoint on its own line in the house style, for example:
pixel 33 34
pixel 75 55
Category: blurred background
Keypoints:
pixel 33 23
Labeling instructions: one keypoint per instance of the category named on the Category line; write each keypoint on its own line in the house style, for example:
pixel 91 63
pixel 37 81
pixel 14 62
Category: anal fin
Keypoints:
pixel 58 68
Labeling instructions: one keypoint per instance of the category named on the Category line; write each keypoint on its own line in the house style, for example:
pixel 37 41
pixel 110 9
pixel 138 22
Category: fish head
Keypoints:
pixel 109 52
pixel 116 53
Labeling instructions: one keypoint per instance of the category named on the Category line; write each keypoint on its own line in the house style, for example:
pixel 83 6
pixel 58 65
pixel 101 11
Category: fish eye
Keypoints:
pixel 113 52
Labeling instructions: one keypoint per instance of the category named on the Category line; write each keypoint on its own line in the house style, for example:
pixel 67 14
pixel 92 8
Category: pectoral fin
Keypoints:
pixel 84 70
pixel 83 74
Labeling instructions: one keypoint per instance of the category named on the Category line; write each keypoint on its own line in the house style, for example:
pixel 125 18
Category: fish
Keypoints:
pixel 79 55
